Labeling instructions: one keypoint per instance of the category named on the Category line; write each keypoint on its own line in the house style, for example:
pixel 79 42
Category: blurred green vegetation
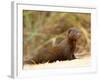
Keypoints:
pixel 43 28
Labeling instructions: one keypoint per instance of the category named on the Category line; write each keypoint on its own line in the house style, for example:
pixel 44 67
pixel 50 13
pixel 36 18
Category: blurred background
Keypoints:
pixel 44 28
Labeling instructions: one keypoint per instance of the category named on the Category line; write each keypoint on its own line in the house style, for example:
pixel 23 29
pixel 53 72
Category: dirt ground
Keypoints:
pixel 79 62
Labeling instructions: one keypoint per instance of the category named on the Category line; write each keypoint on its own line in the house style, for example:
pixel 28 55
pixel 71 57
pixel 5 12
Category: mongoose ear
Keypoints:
pixel 69 30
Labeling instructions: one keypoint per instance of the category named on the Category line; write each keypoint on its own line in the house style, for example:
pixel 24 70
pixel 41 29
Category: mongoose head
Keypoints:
pixel 74 34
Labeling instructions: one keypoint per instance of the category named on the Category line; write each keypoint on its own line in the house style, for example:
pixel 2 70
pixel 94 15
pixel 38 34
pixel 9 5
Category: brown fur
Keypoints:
pixel 63 51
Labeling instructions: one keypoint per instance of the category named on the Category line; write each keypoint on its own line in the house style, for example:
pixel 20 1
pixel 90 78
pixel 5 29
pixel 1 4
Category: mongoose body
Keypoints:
pixel 63 51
